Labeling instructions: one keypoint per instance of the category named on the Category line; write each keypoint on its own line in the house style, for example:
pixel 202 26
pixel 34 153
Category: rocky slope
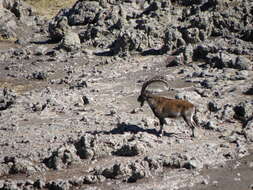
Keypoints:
pixel 68 90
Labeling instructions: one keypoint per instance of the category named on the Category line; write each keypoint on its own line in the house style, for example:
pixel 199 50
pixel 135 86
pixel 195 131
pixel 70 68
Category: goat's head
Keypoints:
pixel 143 96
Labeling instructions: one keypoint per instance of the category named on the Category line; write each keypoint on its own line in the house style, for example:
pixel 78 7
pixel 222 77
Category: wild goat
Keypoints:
pixel 167 108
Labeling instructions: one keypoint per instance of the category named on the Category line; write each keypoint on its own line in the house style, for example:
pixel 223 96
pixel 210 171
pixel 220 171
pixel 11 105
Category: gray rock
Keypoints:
pixel 79 84
pixel 58 26
pixel 38 106
pixel 8 25
pixel 17 20
pixel 82 13
pixel 19 52
pixel 115 171
pixel 70 41
pixel 248 35
pixel 244 110
pixel 191 35
pixel 76 181
pixel 176 61
pixel 40 50
pixel 6 4
pixel 202 50
pixel 242 63
pixel 239 75
pixel 58 185
pixel 92 179
pixel 130 149
pixel 155 162
pixel 22 41
pixel 84 147
pixel 242 150
pixel 249 91
pixel 91 146
pixel 213 107
pixel 21 9
pixel 183 160
pixel 235 137
pixel 121 29
pixel 39 184
pixel 176 160
pixel 39 75
pixel 225 60
pixel 172 38
pixel 29 182
pixel 4 170
pixel 88 13
pixel 85 100
pixel 10 185
pixel 61 158
pixel 22 166
pixel 188 54
pixel 205 181
pixel 250 164
pixel 224 22
pixel 18 8
pixel 127 41
pixel 211 126
pixel 188 95
pixel 139 170
pixel 193 164
pixel 1 183
pixel 248 130
pixel 221 60
pixel 131 171
pixel 7 98
pixel 204 23
pixel 206 4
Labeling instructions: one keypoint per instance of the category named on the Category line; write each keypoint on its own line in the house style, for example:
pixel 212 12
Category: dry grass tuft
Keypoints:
pixel 3 39
pixel 49 8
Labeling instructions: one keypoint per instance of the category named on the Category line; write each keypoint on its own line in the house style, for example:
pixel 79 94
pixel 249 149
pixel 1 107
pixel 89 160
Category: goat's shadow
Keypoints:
pixel 130 128
pixel 104 53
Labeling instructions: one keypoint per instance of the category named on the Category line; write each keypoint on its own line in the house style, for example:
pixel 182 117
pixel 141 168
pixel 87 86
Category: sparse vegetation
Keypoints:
pixel 50 8
pixel 3 39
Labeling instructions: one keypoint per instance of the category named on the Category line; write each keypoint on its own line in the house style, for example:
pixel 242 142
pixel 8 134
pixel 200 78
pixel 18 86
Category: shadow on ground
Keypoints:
pixel 130 128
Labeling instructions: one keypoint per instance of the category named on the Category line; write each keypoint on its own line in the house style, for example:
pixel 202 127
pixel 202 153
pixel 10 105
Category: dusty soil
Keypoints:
pixel 234 175
pixel 71 120
pixel 112 92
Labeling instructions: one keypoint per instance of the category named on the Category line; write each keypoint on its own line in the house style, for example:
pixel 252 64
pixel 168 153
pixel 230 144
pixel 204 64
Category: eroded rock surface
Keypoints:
pixel 69 111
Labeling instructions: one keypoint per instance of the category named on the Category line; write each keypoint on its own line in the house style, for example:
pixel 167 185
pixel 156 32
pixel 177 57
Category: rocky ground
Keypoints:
pixel 69 86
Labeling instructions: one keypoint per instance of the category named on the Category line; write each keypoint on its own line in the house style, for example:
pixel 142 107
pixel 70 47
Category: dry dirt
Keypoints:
pixel 112 90
pixel 74 120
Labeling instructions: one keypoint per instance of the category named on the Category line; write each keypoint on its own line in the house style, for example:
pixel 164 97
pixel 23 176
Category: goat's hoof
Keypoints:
pixel 160 135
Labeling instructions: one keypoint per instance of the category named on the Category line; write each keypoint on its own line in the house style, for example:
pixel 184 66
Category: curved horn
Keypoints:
pixel 154 79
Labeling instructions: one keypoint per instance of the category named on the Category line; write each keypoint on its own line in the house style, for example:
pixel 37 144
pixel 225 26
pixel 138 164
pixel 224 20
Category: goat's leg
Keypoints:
pixel 190 124
pixel 195 124
pixel 193 119
pixel 162 122
pixel 192 129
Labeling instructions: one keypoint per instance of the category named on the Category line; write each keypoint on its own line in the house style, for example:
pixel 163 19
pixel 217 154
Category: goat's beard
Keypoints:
pixel 141 100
